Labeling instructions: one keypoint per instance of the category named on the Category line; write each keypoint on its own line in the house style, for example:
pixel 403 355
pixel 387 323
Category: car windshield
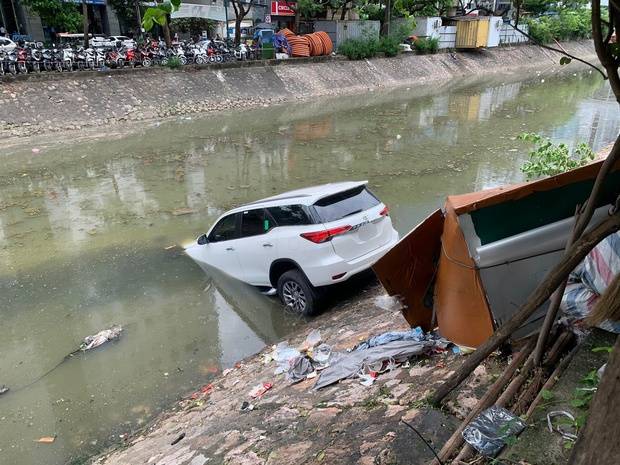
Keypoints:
pixel 343 204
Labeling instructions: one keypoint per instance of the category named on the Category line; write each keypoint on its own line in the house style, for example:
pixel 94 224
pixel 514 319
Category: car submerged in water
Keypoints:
pixel 300 241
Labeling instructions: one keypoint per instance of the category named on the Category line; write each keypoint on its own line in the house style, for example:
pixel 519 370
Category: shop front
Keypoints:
pixel 282 14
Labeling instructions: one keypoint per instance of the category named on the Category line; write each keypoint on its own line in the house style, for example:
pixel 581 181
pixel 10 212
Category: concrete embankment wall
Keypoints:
pixel 56 102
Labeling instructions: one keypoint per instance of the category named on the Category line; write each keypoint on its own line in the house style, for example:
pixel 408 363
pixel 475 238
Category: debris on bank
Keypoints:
pixel 266 410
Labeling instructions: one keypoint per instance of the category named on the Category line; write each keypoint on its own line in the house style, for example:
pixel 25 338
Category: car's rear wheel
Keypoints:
pixel 296 293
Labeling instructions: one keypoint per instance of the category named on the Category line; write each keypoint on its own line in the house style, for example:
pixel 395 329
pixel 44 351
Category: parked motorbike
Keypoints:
pixel 22 60
pixel 10 62
pixel 35 59
pixel 115 58
pixel 68 58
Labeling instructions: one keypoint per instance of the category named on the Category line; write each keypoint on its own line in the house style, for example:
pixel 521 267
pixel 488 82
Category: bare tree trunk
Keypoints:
pixel 238 20
pixel 138 18
pixel 598 443
pixel 167 38
pixel 85 22
pixel 343 13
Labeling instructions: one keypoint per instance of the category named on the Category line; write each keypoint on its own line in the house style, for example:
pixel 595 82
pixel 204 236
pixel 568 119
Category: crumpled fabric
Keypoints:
pixel 414 334
pixel 300 368
pixel 590 279
pixel 352 363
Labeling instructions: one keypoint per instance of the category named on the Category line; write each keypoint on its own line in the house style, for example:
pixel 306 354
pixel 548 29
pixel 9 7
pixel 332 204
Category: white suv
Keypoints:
pixel 299 241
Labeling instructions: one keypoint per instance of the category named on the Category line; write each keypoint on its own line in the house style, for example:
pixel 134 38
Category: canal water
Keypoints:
pixel 86 229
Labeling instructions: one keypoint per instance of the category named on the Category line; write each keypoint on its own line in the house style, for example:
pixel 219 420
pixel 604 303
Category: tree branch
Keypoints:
pixel 562 52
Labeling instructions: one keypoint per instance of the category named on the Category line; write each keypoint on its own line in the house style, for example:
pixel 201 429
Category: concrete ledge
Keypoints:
pixel 35 104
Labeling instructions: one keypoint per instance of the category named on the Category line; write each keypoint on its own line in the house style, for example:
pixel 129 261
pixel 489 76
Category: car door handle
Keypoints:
pixel 267 244
pixel 230 249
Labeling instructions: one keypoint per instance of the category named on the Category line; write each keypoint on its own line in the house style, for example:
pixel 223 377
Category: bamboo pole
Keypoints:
pixel 486 401
pixel 553 378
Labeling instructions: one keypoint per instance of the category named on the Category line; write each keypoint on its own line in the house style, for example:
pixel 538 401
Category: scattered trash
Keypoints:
pixel 321 354
pixel 313 338
pixel 91 342
pixel 352 363
pixel 599 373
pixel 227 371
pixel 387 302
pixel 3 389
pixel 183 211
pixel 46 439
pixel 259 390
pixel 367 380
pixel 284 355
pixel 487 433
pixel 565 434
pixel 246 406
pixel 414 334
pixel 36 150
pixel 203 392
pixel 170 247
pixel 178 439
pixel 300 368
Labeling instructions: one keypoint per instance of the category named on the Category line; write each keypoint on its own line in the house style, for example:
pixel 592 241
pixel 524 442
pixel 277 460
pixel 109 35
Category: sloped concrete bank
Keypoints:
pixel 52 103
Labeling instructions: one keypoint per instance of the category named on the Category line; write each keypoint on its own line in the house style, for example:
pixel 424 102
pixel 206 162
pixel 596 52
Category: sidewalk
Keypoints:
pixel 292 424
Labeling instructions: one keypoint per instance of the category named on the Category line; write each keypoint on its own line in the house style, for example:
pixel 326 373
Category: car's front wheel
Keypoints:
pixel 296 293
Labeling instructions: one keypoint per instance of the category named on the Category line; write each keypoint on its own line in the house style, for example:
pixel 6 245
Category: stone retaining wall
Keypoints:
pixel 57 102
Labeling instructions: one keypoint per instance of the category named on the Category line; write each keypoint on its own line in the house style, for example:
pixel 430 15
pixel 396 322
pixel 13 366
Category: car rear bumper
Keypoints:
pixel 337 270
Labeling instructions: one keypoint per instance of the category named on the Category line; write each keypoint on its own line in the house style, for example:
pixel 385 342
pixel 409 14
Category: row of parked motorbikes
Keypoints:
pixel 35 58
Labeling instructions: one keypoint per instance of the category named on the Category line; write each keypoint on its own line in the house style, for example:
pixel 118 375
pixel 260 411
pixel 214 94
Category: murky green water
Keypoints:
pixel 85 226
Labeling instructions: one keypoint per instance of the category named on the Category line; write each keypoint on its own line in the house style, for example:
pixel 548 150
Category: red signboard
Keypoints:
pixel 282 8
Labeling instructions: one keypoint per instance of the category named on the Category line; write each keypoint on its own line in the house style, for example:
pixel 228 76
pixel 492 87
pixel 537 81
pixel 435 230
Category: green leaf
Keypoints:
pixel 161 20
pixel 546 394
pixel 175 4
pixel 568 445
pixel 579 403
pixel 166 8
pixel 147 23
pixel 607 349
pixel 565 60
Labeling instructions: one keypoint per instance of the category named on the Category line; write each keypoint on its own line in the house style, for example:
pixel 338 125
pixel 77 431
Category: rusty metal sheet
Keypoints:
pixel 461 306
pixel 408 269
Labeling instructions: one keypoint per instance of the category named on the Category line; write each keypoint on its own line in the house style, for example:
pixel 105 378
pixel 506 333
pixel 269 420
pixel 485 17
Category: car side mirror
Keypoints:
pixel 202 240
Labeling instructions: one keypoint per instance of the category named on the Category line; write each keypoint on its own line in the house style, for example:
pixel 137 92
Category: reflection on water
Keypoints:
pixel 85 230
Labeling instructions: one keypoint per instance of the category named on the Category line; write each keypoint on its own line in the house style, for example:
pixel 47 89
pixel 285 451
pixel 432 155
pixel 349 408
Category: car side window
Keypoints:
pixel 254 223
pixel 225 229
pixel 290 215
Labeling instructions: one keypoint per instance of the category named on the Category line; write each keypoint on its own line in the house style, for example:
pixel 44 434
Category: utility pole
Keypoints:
pixel 226 12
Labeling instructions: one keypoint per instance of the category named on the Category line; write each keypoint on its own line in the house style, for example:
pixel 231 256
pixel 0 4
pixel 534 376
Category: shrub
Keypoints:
pixel 359 49
pixel 173 63
pixel 563 25
pixel 390 45
pixel 548 159
pixel 426 45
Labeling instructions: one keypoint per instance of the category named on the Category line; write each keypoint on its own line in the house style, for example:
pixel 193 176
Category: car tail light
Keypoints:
pixel 385 211
pixel 318 237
